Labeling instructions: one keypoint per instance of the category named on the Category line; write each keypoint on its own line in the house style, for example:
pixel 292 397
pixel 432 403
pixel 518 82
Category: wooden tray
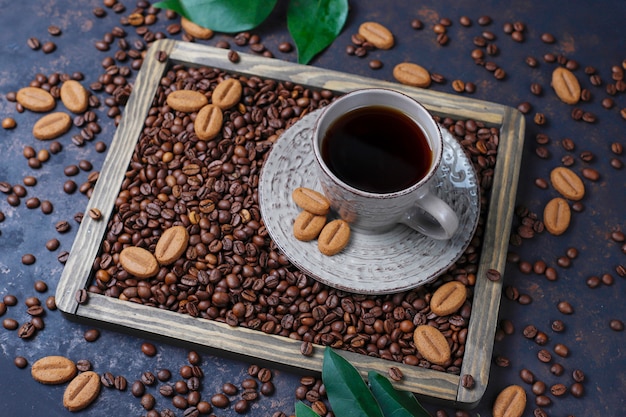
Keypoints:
pixel 254 344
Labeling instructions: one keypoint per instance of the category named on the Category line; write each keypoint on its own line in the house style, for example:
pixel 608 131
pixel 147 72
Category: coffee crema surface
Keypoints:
pixel 377 149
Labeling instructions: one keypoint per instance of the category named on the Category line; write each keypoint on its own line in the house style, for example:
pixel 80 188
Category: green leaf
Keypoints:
pixel 222 15
pixel 303 410
pixel 314 24
pixel 347 393
pixel 393 402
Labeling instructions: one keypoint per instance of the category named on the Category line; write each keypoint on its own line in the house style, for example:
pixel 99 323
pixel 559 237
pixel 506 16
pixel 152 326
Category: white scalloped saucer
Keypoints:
pixel 390 262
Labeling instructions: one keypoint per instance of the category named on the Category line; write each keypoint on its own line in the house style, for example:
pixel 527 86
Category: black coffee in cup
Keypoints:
pixel 377 149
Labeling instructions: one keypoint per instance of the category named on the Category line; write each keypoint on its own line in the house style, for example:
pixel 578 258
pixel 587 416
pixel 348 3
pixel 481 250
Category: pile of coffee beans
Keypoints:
pixel 231 271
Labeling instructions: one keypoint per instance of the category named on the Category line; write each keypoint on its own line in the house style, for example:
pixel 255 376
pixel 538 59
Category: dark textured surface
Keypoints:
pixel 592 35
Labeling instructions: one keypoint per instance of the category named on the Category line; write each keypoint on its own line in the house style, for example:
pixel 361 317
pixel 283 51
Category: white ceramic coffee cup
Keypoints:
pixel 415 206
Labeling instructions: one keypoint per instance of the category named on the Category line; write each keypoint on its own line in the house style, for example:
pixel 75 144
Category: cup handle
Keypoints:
pixel 432 217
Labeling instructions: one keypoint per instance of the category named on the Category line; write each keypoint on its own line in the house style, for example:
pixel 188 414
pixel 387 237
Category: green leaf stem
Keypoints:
pixel 393 402
pixel 348 394
pixel 314 24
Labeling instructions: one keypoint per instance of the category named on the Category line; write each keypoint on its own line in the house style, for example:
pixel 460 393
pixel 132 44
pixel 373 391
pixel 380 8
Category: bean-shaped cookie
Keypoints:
pixel 431 344
pixel 311 201
pixel 334 237
pixel 448 298
pixel 511 402
pixel 308 226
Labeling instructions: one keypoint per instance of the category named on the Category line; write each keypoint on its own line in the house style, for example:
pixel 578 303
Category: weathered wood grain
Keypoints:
pixel 255 344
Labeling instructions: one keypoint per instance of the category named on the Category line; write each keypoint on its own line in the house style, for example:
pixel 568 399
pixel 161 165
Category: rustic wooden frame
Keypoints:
pixel 254 344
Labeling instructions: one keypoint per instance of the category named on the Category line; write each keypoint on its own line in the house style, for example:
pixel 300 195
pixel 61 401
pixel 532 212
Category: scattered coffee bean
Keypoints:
pixel 91 335
pixel 577 390
pixel 33 43
pixel 544 356
pixel 21 362
pixel 557 369
pixel 527 376
pixel 148 349
pixel 616 325
pixel 467 381
pixel 539 388
pixel 8 123
pixel 48 47
pixel 28 259
pixel 83 365
pixel 561 350
pixel 565 307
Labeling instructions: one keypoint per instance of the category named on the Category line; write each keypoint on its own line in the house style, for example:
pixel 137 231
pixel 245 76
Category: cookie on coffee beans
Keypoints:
pixel 139 262
pixel 448 298
pixel 227 93
pixel 186 101
pixel 431 344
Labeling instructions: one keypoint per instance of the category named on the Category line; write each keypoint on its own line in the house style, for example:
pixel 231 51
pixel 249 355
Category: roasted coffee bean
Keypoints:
pixel 91 335
pixel 557 369
pixel 148 378
pixel 10 324
pixel 616 325
pixel 83 365
pixel 26 330
pixel 50 303
pixel 558 326
pixel 539 388
pixel 138 389
pixel 148 349
pixel 33 43
pixel 541 338
pixel 565 307
pixel 264 375
pixel 20 361
pixel 107 379
pixel 527 376
pixel 147 401
pixel 220 401
pixel 578 375
pixel 561 350
pixel 233 56
pixel 577 390
pixel 543 401
pixel 81 296
pixel 558 390
pixel 544 356
pixel 306 348
pixel 48 47
pixel 467 381
pixel 120 383
pixel 267 388
pixel 28 259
